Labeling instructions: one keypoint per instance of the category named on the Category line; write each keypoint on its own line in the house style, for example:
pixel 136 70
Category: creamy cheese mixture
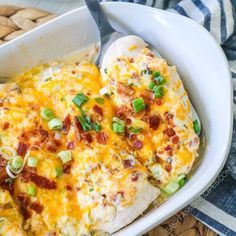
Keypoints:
pixel 84 152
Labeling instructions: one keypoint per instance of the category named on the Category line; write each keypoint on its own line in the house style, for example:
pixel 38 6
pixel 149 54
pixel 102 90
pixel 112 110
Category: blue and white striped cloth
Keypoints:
pixel 217 206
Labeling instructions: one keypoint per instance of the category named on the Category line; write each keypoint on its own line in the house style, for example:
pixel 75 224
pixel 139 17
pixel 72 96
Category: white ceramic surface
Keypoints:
pixel 199 60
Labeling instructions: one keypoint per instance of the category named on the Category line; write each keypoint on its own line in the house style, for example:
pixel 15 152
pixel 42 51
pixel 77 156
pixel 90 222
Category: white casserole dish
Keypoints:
pixel 199 60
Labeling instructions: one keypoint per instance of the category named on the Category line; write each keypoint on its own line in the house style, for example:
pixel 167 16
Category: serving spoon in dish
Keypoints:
pixel 108 35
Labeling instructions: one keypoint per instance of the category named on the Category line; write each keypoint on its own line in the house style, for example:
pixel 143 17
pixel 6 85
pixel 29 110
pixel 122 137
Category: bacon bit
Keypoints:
pixel 66 124
pixel 77 125
pixel 78 189
pixel 24 201
pixel 137 144
pixel 123 112
pixel 159 101
pixel 87 137
pixel 169 118
pixel 98 110
pixel 175 139
pixel 124 90
pixel 169 132
pixel 73 72
pixel 52 144
pixel 102 138
pixel 68 187
pixel 168 167
pixel 154 121
pixel 6 125
pixel 1 103
pixel 133 137
pixel 148 97
pixel 128 121
pixel 127 163
pixel 135 176
pixel 121 193
pixel 70 145
pixel 37 207
pixel 67 167
pixel 40 181
pixel 3 175
pixel 22 148
pixel 169 150
pixel 43 134
pixel 104 195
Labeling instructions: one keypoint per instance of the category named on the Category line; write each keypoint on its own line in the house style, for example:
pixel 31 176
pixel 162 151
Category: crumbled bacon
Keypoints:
pixel 102 138
pixel 169 132
pixel 37 207
pixel 77 124
pixel 175 139
pixel 66 124
pixel 154 122
pixel 67 167
pixel 5 125
pixel 169 150
pixel 22 148
pixel 40 181
pixel 127 163
pixel 135 176
pixel 168 167
pixel 43 134
pixel 24 201
pixel 169 118
pixel 123 112
pixel 124 90
pixel 71 145
pixel 87 137
pixel 98 110
pixel 68 187
pixel 52 144
pixel 148 97
pixel 137 144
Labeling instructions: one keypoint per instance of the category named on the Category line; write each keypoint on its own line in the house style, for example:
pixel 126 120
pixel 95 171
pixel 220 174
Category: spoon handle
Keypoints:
pixel 100 18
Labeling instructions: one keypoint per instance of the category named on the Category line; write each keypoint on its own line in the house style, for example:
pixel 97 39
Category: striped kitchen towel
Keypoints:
pixel 217 205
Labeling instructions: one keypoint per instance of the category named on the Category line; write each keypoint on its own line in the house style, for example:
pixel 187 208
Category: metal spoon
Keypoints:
pixel 108 35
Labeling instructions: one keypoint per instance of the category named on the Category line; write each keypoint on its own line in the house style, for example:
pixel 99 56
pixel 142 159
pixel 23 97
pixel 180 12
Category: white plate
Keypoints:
pixel 200 62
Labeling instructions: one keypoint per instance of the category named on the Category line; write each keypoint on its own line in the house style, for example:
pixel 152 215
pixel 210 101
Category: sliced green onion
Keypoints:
pixel 159 92
pixel 156 73
pixel 118 120
pixel 80 99
pixel 105 70
pixel 32 161
pixel 151 85
pixel 161 80
pixel 196 127
pixel 100 100
pixel 55 124
pixel 17 162
pixel 138 104
pixel 7 152
pixel 97 127
pixel 181 179
pixel 91 190
pixel 32 191
pixel 135 130
pixel 85 122
pixel 171 188
pixel 65 156
pixel 46 113
pixel 118 128
pixel 59 172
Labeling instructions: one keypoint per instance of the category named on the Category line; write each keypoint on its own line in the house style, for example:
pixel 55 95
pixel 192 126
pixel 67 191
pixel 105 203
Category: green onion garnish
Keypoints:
pixel 159 92
pixel 196 127
pixel 100 100
pixel 32 191
pixel 135 130
pixel 161 80
pixel 118 120
pixel 17 162
pixel 85 122
pixel 151 85
pixel 55 124
pixel 96 127
pixel 138 104
pixel 65 156
pixel 171 188
pixel 46 113
pixel 32 161
pixel 118 128
pixel 91 190
pixel 105 70
pixel 156 73
pixel 79 99
pixel 181 179
pixel 59 172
